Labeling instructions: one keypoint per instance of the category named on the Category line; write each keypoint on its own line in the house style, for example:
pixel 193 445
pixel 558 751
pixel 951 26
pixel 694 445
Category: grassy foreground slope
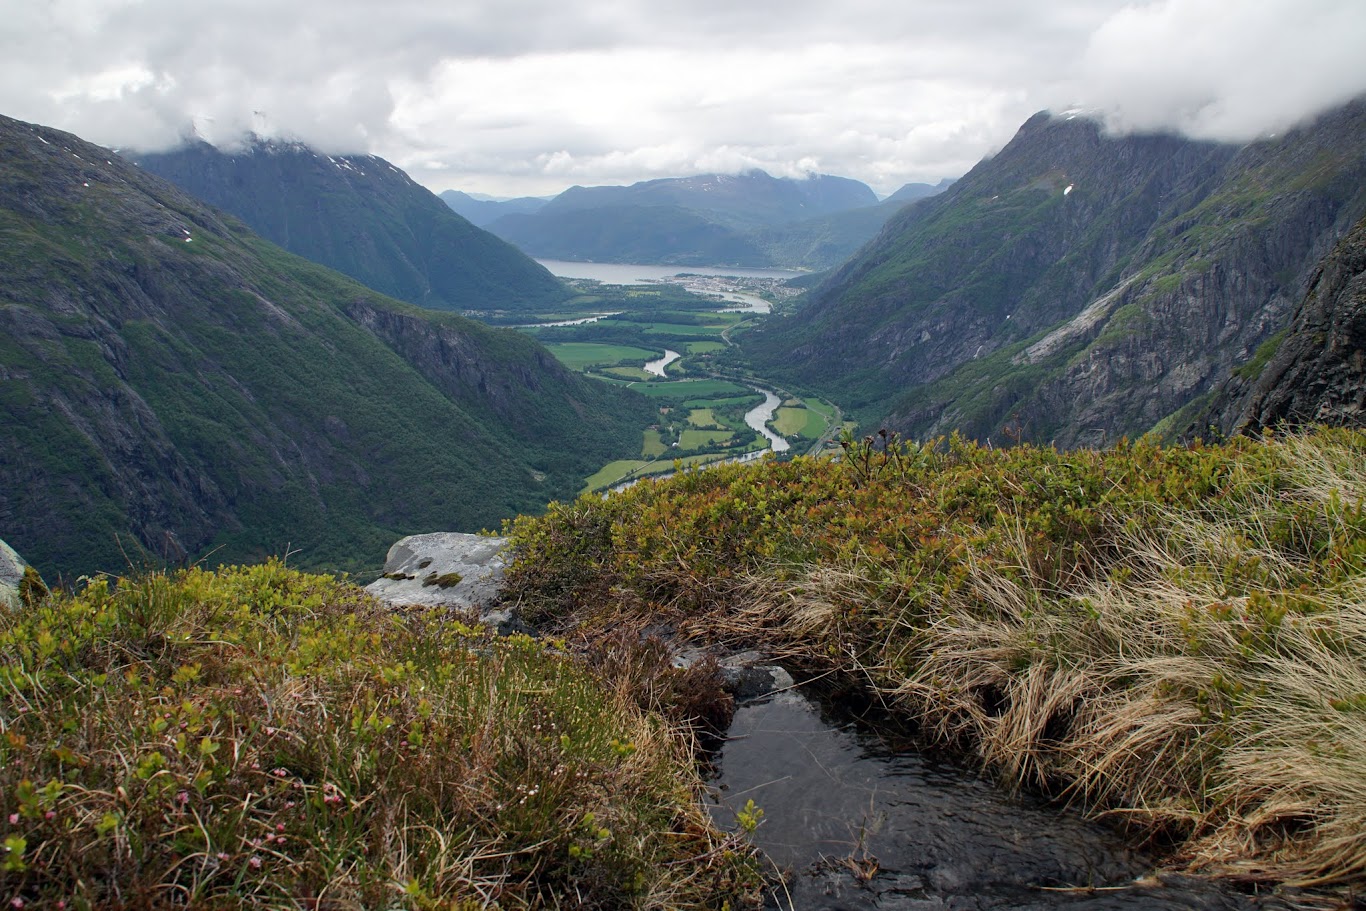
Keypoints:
pixel 1174 634
pixel 261 738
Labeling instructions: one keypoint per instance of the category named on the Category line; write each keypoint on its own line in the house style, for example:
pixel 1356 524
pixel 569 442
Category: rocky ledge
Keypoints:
pixel 19 582
pixel 464 572
pixel 452 570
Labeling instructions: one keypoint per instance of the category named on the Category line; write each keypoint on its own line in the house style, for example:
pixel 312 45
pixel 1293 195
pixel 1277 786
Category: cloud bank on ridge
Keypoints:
pixel 528 96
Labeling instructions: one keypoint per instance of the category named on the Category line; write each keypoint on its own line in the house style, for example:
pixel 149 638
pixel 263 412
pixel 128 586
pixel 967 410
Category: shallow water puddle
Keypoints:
pixel 863 824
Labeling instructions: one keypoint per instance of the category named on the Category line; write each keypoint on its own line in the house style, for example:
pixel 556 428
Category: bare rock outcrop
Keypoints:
pixel 447 569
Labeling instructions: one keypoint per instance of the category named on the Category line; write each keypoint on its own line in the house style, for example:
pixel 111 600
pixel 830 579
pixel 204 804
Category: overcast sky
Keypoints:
pixel 531 96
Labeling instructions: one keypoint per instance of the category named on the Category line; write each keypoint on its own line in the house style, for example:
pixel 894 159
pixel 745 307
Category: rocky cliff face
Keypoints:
pixel 1078 286
pixel 171 383
pixel 1315 373
pixel 364 217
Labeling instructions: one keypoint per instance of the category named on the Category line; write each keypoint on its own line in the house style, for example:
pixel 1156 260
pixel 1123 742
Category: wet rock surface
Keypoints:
pixel 861 821
pixel 745 675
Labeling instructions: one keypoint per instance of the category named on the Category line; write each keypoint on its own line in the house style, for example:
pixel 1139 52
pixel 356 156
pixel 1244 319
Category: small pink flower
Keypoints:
pixel 255 863
pixel 223 855
pixel 280 827
pixel 14 819
pixel 279 773
pixel 16 903
pixel 182 798
pixel 50 814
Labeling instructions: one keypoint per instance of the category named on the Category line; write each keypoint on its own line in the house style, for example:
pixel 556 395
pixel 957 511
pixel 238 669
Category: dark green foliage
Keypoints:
pixel 174 386
pixel 362 216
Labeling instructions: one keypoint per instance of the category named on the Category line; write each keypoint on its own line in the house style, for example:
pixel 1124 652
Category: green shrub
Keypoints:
pixel 258 737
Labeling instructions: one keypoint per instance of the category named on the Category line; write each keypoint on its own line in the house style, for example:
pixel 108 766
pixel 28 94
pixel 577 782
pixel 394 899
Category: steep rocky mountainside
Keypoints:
pixel 1077 286
pixel 170 383
pixel 483 212
pixel 364 217
pixel 750 219
pixel 1314 372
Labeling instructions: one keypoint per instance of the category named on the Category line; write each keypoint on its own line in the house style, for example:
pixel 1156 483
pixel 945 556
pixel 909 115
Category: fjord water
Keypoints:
pixel 641 273
pixel 864 820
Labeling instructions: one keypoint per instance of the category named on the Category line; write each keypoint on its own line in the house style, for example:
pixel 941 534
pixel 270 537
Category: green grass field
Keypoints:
pixel 825 410
pixel 697 439
pixel 799 422
pixel 709 402
pixel 629 373
pixel 705 347
pixel 578 355
pixel 703 417
pixel 653 445
pixel 690 389
pixel 679 329
pixel 614 473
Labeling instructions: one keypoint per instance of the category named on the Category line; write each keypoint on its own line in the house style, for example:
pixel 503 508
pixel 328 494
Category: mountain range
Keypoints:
pixel 1077 286
pixel 172 385
pixel 484 212
pixel 749 219
pixel 364 217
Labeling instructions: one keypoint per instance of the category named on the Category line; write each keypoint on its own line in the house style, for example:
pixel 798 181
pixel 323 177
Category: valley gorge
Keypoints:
pixel 1103 553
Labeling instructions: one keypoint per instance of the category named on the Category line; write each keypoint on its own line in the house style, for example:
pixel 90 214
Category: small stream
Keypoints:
pixel 863 820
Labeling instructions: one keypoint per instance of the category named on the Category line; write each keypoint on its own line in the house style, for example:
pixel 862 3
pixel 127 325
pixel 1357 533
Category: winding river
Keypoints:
pixel 656 367
pixel 757 419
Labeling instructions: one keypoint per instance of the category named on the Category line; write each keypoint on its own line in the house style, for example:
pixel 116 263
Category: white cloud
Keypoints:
pixel 1225 71
pixel 529 96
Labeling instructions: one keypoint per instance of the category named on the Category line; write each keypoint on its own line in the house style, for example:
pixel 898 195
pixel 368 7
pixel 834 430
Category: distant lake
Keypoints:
pixel 633 274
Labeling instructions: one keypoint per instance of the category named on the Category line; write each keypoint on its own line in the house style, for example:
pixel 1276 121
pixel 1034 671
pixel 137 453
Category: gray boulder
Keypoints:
pixel 745 675
pixel 11 575
pixel 443 569
pixel 748 676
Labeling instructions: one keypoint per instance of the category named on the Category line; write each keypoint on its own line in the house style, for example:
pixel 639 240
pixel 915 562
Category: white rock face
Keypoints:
pixel 442 569
pixel 11 574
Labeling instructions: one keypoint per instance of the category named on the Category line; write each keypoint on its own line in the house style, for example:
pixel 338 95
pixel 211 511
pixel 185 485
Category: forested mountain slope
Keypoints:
pixel 364 217
pixel 172 383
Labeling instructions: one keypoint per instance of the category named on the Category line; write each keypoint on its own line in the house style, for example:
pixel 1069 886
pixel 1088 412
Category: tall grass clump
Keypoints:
pixel 258 737
pixel 1175 636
